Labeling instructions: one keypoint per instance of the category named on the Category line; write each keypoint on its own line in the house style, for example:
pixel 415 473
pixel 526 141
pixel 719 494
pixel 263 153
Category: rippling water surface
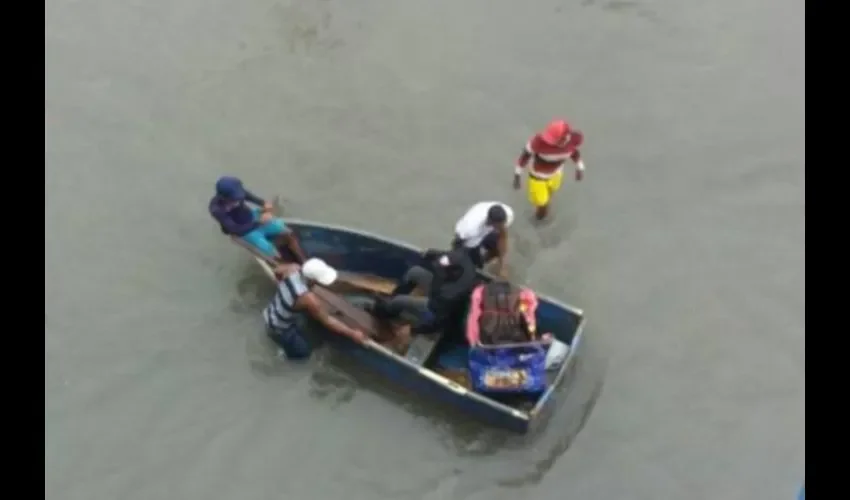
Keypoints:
pixel 684 244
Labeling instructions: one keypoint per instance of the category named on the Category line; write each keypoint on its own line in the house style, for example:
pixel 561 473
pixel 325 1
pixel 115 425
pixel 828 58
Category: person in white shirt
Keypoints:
pixel 483 231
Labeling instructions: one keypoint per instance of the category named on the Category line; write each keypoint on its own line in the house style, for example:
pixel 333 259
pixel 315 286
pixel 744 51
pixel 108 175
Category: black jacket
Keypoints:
pixel 450 289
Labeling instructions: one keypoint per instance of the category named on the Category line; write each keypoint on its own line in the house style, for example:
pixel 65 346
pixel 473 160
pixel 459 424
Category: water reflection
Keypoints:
pixel 487 455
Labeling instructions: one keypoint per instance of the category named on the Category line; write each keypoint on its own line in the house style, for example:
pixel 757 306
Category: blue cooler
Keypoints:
pixel 518 369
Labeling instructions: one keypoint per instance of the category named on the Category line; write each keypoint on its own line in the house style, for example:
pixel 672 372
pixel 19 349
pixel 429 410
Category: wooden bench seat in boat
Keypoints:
pixel 358 281
pixel 380 331
pixel 354 316
pixel 418 349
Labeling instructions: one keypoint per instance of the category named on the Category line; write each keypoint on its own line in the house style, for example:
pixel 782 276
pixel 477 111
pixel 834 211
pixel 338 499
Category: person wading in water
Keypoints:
pixel 483 232
pixel 293 303
pixel 547 151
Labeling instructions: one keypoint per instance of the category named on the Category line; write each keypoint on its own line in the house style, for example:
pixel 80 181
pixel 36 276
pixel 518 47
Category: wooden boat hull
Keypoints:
pixel 354 251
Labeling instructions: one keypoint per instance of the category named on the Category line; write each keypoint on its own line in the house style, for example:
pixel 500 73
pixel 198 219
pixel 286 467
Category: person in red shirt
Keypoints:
pixel 547 152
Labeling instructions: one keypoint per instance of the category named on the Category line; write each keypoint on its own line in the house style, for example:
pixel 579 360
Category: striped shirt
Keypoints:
pixel 280 313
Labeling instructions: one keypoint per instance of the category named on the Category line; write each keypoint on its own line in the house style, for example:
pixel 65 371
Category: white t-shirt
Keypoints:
pixel 472 228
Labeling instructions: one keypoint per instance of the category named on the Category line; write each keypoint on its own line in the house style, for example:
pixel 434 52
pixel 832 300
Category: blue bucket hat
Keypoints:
pixel 230 188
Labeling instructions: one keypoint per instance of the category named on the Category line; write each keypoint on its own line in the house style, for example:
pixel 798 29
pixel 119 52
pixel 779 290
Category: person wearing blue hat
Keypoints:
pixel 256 226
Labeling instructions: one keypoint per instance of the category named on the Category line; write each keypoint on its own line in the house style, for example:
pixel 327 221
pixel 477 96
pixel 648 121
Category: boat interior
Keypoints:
pixel 349 299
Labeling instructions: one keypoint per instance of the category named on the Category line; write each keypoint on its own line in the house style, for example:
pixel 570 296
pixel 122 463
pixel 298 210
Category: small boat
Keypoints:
pixel 370 265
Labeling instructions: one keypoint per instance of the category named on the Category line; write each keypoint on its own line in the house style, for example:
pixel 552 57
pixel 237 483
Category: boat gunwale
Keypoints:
pixel 447 383
pixel 562 372
pixel 413 248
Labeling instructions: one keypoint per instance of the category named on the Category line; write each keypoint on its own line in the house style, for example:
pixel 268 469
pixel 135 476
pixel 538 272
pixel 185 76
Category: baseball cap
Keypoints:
pixel 319 271
pixel 230 188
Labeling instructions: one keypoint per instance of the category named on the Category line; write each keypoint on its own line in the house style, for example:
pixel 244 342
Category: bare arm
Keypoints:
pixel 473 331
pixel 314 308
pixel 283 270
pixel 503 250
pixel 528 310
pixel 577 138
pixel 292 243
pixel 522 160
pixel 519 165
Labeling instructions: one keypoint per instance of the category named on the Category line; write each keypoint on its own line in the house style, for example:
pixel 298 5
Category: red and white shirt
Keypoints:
pixel 548 160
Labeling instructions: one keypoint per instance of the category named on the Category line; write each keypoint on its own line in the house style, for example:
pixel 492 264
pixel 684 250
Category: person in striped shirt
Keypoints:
pixel 293 302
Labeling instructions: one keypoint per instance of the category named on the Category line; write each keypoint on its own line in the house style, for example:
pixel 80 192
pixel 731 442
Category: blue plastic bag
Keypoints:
pixel 514 369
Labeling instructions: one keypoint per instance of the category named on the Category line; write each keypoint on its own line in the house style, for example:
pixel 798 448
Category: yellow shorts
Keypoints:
pixel 539 191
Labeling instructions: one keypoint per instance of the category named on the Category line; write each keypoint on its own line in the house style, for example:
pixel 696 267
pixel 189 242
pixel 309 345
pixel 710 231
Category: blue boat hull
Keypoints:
pixel 359 252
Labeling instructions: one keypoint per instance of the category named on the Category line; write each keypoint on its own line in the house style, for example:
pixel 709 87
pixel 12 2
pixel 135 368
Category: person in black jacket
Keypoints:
pixel 447 279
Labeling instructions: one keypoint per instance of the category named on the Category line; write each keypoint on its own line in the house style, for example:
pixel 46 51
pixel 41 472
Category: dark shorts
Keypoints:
pixel 292 340
pixel 486 250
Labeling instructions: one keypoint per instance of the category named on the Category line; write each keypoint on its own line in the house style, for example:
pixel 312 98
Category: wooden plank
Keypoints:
pixel 354 316
pixel 366 282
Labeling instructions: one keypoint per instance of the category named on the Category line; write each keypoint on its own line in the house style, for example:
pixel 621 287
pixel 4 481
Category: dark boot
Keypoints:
pixel 384 310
